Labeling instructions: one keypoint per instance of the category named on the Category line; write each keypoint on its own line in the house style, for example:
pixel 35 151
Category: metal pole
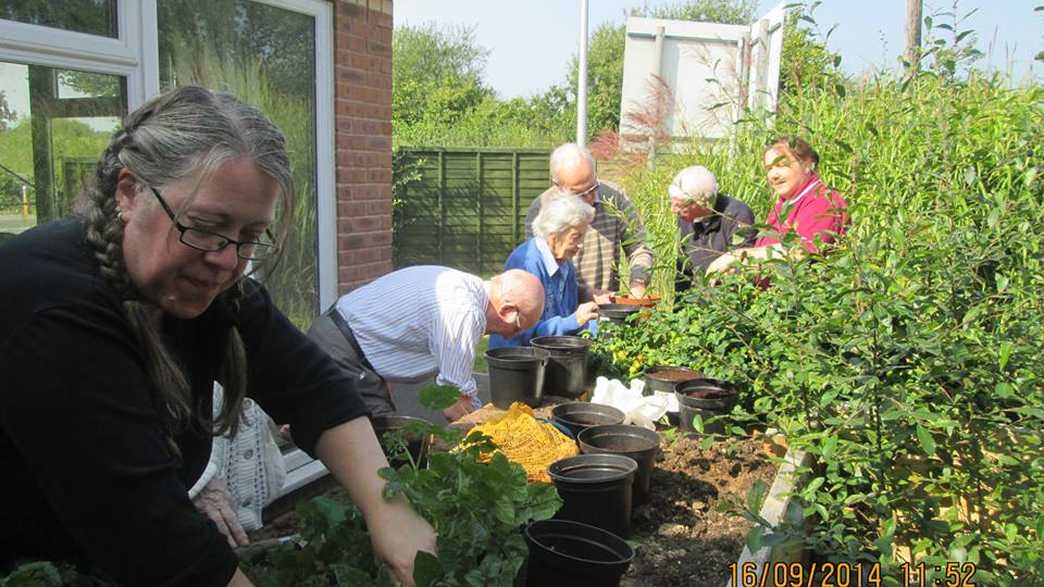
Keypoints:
pixel 581 79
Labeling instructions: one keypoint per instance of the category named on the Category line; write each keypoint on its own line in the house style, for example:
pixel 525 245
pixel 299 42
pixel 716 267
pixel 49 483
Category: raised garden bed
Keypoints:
pixel 686 534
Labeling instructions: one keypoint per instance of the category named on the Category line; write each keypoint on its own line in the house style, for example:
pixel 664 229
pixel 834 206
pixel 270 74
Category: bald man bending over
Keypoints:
pixel 422 321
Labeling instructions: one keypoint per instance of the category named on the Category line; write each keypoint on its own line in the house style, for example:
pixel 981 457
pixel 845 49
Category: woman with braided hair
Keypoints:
pixel 115 324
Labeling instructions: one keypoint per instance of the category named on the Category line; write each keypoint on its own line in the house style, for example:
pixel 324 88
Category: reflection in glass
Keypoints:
pixel 266 56
pixel 95 17
pixel 54 124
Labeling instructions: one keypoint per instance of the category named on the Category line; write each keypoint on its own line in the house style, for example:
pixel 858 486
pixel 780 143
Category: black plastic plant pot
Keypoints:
pixel 596 490
pixel 707 398
pixel 516 374
pixel 665 377
pixel 638 443
pixel 618 312
pixel 416 444
pixel 563 552
pixel 579 415
pixel 567 365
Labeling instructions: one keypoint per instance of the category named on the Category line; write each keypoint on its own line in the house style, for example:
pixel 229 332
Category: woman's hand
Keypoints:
pixel 586 312
pixel 352 454
pixel 216 503
pixel 397 533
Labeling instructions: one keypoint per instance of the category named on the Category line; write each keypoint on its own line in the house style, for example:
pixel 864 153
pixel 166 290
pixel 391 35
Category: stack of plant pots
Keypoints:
pixel 585 543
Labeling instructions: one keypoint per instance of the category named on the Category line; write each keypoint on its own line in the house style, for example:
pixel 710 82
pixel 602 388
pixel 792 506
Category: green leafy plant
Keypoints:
pixel 478 509
pixel 908 359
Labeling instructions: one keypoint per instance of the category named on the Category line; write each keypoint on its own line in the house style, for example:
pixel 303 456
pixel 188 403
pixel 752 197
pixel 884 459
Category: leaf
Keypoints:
pixel 426 569
pixel 970 176
pixel 962 35
pixel 754 538
pixel 756 495
pixel 504 510
pixel 926 440
pixel 697 423
pixel 438 397
pixel 1003 390
pixel 1005 353
pixel 706 442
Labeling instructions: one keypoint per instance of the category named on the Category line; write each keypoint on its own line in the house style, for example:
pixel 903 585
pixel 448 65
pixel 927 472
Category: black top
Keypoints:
pixel 88 474
pixel 705 240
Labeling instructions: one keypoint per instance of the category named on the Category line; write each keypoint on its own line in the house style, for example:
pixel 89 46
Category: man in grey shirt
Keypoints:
pixel 710 223
pixel 616 225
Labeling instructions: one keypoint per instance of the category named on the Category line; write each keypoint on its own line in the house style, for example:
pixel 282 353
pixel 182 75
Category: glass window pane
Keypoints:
pixel 95 17
pixel 54 124
pixel 265 55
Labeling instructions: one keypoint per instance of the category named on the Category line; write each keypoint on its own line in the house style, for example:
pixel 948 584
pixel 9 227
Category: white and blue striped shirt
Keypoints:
pixel 420 321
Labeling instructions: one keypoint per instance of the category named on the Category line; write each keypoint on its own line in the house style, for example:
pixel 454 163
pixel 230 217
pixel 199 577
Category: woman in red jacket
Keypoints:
pixel 804 205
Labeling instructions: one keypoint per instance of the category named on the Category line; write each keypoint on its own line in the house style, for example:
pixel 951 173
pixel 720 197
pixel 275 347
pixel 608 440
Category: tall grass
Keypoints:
pixel 293 281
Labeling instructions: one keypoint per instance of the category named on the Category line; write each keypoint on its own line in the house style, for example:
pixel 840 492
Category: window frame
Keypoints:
pixel 134 54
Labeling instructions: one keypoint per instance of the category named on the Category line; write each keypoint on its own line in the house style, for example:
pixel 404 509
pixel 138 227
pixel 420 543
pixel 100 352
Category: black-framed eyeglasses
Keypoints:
pixel 211 242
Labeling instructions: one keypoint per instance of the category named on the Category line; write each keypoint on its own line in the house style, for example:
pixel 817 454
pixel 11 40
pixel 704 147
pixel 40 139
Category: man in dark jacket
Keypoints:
pixel 710 223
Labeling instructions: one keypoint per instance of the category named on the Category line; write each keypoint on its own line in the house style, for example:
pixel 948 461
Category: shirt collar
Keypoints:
pixel 550 263
pixel 813 182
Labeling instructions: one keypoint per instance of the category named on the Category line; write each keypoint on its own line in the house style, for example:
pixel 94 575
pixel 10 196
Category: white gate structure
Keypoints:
pixel 685 79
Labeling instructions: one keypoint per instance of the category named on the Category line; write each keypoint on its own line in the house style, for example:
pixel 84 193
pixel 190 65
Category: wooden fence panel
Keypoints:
pixel 468 208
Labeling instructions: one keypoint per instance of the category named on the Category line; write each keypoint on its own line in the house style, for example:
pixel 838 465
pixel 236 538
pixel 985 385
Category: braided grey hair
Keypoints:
pixel 187 132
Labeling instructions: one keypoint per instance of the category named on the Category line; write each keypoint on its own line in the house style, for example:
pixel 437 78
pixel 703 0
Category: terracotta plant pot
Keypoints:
pixel 647 302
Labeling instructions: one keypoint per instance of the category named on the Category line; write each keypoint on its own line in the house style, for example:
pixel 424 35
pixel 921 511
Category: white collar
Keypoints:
pixel 550 263
pixel 807 189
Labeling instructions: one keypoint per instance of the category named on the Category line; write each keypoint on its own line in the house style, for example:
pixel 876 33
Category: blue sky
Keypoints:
pixel 530 41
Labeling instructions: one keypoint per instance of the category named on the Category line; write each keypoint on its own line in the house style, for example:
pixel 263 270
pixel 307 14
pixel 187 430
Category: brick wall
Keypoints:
pixel 362 74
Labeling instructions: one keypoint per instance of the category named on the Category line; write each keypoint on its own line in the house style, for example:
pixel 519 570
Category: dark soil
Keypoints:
pixel 673 375
pixel 684 535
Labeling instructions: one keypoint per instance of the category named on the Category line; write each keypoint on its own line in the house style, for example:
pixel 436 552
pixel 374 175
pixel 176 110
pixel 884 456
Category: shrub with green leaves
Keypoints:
pixel 908 360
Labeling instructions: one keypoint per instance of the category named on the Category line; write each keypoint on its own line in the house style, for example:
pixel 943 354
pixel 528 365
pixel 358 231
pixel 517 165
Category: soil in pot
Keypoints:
pixel 517 374
pixel 665 377
pixel 635 442
pixel 596 489
pixel 707 398
pixel 576 416
pixel 563 552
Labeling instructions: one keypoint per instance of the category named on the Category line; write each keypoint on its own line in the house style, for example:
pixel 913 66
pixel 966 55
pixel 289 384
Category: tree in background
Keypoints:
pixel 807 63
pixel 437 76
pixel 6 113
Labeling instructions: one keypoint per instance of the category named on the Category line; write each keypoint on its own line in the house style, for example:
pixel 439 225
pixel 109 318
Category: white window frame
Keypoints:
pixel 51 47
pixel 134 54
pixel 325 124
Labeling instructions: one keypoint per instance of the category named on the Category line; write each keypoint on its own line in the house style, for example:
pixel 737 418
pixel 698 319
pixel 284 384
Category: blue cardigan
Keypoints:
pixel 560 296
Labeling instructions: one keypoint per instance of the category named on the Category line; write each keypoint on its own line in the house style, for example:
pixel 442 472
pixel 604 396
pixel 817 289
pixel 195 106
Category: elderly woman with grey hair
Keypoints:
pixel 558 235
pixel 710 223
